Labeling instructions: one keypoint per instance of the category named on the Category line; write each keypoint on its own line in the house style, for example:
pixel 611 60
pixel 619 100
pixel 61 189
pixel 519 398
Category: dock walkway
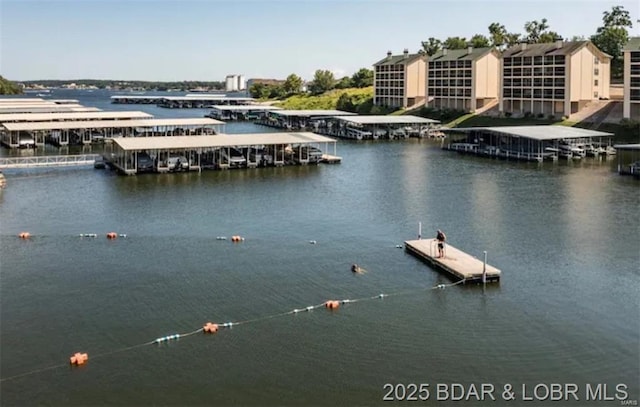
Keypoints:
pixel 48 161
pixel 456 263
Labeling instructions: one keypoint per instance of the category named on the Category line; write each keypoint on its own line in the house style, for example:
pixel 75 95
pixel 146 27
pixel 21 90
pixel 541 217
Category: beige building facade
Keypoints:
pixel 553 79
pixel 631 104
pixel 399 80
pixel 463 79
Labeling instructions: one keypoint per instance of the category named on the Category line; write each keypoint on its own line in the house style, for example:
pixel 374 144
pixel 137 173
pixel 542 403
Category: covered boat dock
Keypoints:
pixel 241 112
pixel 84 132
pixel 70 116
pixel 528 143
pixel 201 102
pixel 628 159
pixel 378 126
pixel 299 120
pixel 195 153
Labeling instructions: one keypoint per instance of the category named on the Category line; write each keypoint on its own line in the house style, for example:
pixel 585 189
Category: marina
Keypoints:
pixel 628 159
pixel 133 155
pixel 241 112
pixel 529 143
pixel 455 263
pixel 375 127
pixel 299 120
pixel 61 133
pixel 189 101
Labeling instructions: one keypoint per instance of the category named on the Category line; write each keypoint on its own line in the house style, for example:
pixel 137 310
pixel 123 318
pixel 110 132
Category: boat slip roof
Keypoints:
pixel 48 109
pixel 382 119
pixel 102 124
pixel 627 146
pixel 246 107
pixel 137 97
pixel 314 113
pixel 21 100
pixel 540 133
pixel 28 105
pixel 46 117
pixel 205 98
pixel 220 140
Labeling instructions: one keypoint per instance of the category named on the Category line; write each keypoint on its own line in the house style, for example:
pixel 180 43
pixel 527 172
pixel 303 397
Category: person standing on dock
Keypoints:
pixel 441 238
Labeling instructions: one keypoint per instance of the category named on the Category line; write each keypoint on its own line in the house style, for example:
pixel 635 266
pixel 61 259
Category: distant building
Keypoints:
pixel 235 83
pixel 553 79
pixel 631 106
pixel 399 80
pixel 463 79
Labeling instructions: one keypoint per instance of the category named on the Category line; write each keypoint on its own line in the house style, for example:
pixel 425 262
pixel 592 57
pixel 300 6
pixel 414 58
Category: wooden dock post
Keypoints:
pixel 484 268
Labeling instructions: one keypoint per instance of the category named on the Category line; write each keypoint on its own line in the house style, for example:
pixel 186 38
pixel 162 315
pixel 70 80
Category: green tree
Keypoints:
pixel 345 103
pixel 479 41
pixel 362 78
pixel 344 83
pixel 9 88
pixel 455 43
pixel 498 35
pixel 612 36
pixel 431 46
pixel 292 85
pixel 259 91
pixel 323 80
pixel 534 29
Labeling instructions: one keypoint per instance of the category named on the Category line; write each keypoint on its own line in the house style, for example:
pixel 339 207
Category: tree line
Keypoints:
pixel 9 88
pixel 323 81
pixel 610 37
pixel 138 85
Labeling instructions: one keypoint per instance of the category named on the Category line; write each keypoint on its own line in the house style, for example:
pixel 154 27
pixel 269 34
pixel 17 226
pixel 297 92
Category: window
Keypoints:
pixel 548 71
pixel 467 64
pixel 438 92
pixel 537 60
pixel 517 93
pixel 558 94
pixel 445 92
pixel 467 82
pixel 517 71
pixel 595 82
pixel 596 71
pixel 559 71
pixel 526 71
pixel 526 93
pixel 507 71
pixel 635 70
pixel 548 60
pixel 595 95
pixel 526 61
pixel 467 92
pixel 507 92
pixel 507 82
pixel 559 60
pixel 432 74
pixel 517 61
pixel 548 93
pixel 595 60
pixel 526 82
pixel 537 82
pixel 467 73
pixel 635 94
pixel 460 64
pixel 445 64
pixel 548 82
pixel 635 82
pixel 438 82
pixel 507 62
pixel 559 82
pixel 635 56
pixel 517 82
pixel 537 93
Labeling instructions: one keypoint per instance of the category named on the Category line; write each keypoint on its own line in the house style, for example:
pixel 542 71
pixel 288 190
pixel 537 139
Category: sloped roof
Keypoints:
pixel 551 48
pixel 633 44
pixel 461 54
pixel 397 59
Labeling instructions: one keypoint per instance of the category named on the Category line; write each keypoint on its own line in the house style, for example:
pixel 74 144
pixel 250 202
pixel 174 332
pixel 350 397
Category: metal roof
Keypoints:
pixel 313 113
pixel 399 59
pixel 103 124
pixel 216 98
pixel 551 48
pixel 48 109
pixel 245 107
pixel 46 117
pixel 627 146
pixel 220 140
pixel 382 119
pixel 27 105
pixel 461 54
pixel 632 45
pixel 21 100
pixel 205 94
pixel 136 97
pixel 541 133
pixel 64 101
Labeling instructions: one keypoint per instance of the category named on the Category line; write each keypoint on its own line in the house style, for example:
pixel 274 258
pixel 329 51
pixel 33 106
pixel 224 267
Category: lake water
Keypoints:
pixel 566 237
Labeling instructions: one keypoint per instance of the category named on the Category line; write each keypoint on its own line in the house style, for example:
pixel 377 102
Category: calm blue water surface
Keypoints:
pixel 566 237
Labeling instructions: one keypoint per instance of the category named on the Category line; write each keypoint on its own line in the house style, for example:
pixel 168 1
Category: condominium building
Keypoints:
pixel 463 79
pixel 399 80
pixel 552 79
pixel 235 83
pixel 631 106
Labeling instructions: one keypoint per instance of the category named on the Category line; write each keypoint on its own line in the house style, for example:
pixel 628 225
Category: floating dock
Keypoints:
pixel 456 263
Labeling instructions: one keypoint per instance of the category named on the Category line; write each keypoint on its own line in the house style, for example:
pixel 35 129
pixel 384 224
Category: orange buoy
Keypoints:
pixel 79 358
pixel 24 235
pixel 210 327
pixel 112 235
pixel 332 304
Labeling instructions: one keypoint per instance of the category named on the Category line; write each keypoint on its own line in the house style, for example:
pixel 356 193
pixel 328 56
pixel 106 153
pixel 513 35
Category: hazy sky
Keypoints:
pixel 208 39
